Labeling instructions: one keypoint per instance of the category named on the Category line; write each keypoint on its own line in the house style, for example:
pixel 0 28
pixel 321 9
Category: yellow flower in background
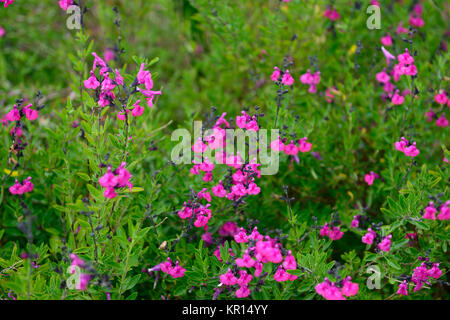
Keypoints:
pixel 12 174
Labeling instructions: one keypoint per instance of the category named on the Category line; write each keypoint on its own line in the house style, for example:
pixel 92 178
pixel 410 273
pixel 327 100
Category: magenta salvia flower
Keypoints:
pixel 287 79
pixel 385 244
pixel 387 54
pixel 7 2
pixel 276 74
pixel 403 288
pixel 25 187
pixel 355 222
pixel 441 97
pixel 430 212
pixel 334 233
pixel 421 275
pixel 416 21
pixel 370 177
pixel 408 149
pixel 444 211
pixel 312 79
pixel 442 121
pixel 176 272
pixel 331 14
pixel 64 4
pixel 386 40
pixel 112 180
pixel 383 77
pixel 397 99
pixel 331 291
pixel 369 236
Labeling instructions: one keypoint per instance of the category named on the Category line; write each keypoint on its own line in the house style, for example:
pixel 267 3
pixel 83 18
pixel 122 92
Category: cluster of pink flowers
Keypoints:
pixel 260 250
pixel 311 79
pixel 176 272
pixel 421 275
pixel 26 186
pixel 440 98
pixel 415 18
pixel 16 114
pixel 285 77
pixel 331 14
pixel 444 211
pixel 84 279
pixel 293 148
pixel 370 177
pixel 241 181
pixel 194 209
pixel 7 2
pixel 405 66
pixel 337 291
pixel 383 245
pixel 112 180
pixel 64 4
pixel 332 232
pixel 407 148
pixel 108 84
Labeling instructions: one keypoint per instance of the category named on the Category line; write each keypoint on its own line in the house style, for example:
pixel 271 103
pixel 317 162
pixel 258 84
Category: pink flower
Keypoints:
pixel 401 29
pixel 385 244
pixel 177 271
pixel 241 237
pixel 355 222
pixel 245 262
pixel 277 145
pixel 441 97
pixel 331 14
pixel 369 237
pixel 291 149
pixel 429 115
pixel 430 212
pixel 25 187
pixel 335 233
pixel 219 190
pixel 403 288
pixel 387 54
pixel 109 55
pixel 228 278
pixel 287 79
pixel 289 262
pixel 109 193
pixel 83 281
pixel 370 177
pixel 383 77
pixel 91 82
pixel 137 110
pixel 397 99
pixel 108 180
pixel 13 115
pixel 2 32
pixel 409 150
pixel 276 74
pixel 329 291
pixel 442 122
pixel 243 292
pixel 7 2
pixel 444 213
pixel 304 146
pixel 64 4
pixel 386 40
pixel 416 21
pixel 30 113
pixel 349 288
